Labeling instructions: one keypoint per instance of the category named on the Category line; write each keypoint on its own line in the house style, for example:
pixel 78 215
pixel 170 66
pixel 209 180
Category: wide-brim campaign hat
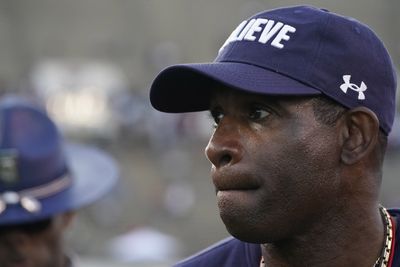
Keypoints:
pixel 297 50
pixel 40 174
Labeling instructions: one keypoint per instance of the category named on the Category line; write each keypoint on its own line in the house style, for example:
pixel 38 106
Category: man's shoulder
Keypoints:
pixel 228 252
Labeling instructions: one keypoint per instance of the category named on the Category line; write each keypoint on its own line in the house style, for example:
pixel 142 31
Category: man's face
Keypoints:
pixel 37 244
pixel 275 168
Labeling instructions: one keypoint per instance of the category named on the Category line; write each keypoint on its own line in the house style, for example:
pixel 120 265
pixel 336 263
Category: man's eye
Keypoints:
pixel 217 115
pixel 258 114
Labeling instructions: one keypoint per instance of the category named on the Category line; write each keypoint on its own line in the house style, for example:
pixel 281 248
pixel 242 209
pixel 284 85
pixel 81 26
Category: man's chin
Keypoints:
pixel 246 236
pixel 248 231
pixel 243 231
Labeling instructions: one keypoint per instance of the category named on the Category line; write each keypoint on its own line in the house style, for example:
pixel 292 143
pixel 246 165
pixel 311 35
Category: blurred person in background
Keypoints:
pixel 43 182
pixel 303 101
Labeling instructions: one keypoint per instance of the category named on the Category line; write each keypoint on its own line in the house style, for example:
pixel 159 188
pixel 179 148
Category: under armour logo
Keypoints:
pixel 347 85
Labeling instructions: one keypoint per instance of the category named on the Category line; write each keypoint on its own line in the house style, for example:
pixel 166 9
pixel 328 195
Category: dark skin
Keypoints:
pixel 295 185
pixel 37 244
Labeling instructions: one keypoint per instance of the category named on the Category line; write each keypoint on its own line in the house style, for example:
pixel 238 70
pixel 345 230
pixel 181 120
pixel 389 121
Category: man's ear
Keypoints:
pixel 359 134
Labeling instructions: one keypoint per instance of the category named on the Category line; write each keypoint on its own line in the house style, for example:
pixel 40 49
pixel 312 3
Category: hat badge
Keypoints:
pixel 8 166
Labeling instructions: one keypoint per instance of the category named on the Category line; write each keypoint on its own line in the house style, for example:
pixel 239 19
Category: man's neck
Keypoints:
pixel 351 238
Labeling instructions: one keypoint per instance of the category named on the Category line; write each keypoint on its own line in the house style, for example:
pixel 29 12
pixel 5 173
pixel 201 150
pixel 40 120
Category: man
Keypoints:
pixel 43 181
pixel 303 100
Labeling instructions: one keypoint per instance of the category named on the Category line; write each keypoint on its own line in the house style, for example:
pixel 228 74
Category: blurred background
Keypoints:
pixel 91 62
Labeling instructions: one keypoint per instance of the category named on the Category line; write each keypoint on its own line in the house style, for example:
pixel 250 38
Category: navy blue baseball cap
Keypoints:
pixel 299 50
pixel 40 174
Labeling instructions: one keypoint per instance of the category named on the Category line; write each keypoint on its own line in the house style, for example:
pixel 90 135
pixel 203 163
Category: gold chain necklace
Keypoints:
pixel 383 259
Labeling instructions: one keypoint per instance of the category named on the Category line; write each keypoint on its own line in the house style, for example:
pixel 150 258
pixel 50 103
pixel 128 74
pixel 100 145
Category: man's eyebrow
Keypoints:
pixel 278 101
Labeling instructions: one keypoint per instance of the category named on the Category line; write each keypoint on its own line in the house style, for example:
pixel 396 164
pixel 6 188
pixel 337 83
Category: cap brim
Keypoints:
pixel 93 174
pixel 188 87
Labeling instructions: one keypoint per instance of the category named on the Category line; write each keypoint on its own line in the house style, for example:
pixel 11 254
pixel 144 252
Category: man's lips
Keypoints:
pixel 225 181
pixel 18 263
pixel 17 258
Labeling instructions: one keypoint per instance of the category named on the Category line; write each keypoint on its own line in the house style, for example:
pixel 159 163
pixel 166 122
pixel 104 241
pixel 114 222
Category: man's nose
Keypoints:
pixel 224 147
